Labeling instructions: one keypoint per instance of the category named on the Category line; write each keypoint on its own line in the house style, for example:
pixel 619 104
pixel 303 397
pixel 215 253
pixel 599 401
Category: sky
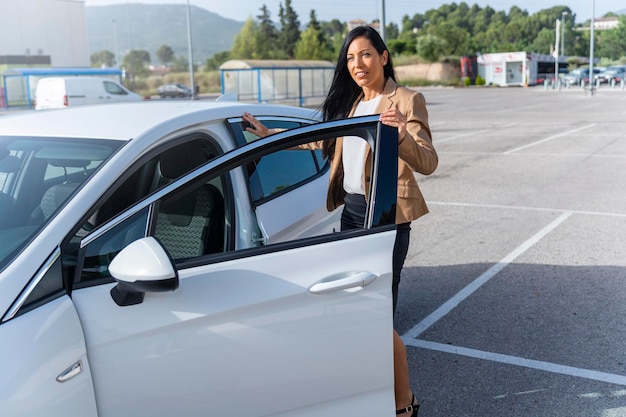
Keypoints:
pixel 368 10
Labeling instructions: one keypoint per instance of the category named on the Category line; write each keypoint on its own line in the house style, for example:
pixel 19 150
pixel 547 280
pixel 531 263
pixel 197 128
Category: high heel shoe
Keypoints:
pixel 412 408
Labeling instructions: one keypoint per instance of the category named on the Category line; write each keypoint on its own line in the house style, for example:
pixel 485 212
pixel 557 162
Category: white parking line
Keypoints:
pixel 478 282
pixel 548 139
pixel 410 338
pixel 554 210
pixel 463 135
pixel 517 361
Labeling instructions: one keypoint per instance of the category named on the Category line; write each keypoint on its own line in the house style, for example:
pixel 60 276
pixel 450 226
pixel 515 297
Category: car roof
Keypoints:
pixel 124 121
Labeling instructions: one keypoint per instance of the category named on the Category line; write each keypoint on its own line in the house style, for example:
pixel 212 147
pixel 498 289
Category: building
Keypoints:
pixel 603 23
pixel 606 23
pixel 360 22
pixel 43 33
pixel 517 68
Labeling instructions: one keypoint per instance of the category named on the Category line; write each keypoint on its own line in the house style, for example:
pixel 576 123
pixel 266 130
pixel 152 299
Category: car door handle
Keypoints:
pixel 342 281
pixel 70 372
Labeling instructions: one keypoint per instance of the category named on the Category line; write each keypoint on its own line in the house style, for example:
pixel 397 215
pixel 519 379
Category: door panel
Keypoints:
pixel 247 337
pixel 38 347
pixel 300 328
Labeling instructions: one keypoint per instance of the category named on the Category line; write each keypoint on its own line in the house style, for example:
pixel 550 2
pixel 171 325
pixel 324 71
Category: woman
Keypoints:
pixel 364 83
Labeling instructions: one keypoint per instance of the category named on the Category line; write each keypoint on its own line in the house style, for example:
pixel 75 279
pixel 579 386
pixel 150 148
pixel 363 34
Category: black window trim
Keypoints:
pixel 17 307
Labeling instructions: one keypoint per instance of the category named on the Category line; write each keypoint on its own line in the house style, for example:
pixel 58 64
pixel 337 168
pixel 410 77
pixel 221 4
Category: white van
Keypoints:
pixel 61 92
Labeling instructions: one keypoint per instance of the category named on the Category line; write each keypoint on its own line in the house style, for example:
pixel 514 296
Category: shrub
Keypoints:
pixel 480 80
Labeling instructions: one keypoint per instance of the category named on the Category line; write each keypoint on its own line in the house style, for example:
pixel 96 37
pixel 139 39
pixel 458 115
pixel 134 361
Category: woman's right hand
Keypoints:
pixel 255 127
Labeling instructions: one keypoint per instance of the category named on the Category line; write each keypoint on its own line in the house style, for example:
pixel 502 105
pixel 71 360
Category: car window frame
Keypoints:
pixel 71 280
pixel 257 194
pixel 381 213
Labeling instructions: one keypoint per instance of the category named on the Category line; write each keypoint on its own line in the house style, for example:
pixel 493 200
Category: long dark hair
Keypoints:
pixel 343 90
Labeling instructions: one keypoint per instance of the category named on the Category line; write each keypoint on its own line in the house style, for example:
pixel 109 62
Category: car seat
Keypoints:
pixel 191 224
pixel 8 164
pixel 56 195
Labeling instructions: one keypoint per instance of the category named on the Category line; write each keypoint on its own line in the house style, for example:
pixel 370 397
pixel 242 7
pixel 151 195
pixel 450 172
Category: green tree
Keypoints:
pixel 165 54
pixel 430 47
pixel 392 31
pixel 216 60
pixel 245 42
pixel 267 36
pixel 308 46
pixel 179 64
pixel 411 26
pixel 322 49
pixel 544 42
pixel 334 28
pixel 399 47
pixel 313 43
pixel 612 43
pixel 136 63
pixel 334 32
pixel 455 39
pixel 289 28
pixel 102 58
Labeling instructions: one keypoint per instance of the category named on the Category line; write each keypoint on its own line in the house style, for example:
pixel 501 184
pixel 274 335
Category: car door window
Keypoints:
pixel 191 221
pixel 157 172
pixel 282 171
pixel 98 253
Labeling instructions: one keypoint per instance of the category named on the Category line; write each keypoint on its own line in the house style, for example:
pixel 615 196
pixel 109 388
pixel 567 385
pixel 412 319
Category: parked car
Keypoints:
pixel 62 92
pixel 578 75
pixel 549 76
pixel 612 73
pixel 158 260
pixel 174 90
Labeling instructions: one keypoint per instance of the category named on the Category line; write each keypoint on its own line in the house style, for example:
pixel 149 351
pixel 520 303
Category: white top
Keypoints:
pixel 354 151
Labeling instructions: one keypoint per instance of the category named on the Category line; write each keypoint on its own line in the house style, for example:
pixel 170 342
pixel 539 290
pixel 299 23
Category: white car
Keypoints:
pixel 157 261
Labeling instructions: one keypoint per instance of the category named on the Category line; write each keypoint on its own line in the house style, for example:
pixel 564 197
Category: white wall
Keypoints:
pixel 57 28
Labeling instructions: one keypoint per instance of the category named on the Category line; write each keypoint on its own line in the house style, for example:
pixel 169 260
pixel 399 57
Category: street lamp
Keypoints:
pixel 591 42
pixel 563 14
pixel 190 53
pixel 130 47
pixel 382 20
pixel 117 53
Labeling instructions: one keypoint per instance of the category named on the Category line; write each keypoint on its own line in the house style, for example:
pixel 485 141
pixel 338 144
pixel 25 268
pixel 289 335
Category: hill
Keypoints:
pixel 153 25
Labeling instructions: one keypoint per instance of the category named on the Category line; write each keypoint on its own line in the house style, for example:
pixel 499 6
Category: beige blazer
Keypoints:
pixel 415 154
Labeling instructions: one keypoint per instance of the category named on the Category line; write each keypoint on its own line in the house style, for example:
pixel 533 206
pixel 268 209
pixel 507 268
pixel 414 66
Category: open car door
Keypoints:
pixel 298 328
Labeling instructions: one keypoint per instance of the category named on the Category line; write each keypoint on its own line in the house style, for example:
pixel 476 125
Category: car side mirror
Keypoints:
pixel 143 266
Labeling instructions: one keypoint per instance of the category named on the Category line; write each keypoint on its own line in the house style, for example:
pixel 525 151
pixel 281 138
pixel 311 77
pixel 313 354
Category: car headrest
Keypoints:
pixel 9 163
pixel 181 159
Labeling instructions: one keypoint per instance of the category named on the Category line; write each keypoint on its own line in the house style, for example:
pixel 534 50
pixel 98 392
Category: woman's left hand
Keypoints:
pixel 395 118
pixel 254 126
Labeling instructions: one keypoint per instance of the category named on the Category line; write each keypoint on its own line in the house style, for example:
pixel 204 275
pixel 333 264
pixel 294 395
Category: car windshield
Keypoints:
pixel 37 176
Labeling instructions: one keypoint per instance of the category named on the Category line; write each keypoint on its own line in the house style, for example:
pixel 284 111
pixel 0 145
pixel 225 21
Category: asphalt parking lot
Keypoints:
pixel 513 298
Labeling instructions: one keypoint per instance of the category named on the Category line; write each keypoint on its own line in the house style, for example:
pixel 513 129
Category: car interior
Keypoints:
pixel 190 225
